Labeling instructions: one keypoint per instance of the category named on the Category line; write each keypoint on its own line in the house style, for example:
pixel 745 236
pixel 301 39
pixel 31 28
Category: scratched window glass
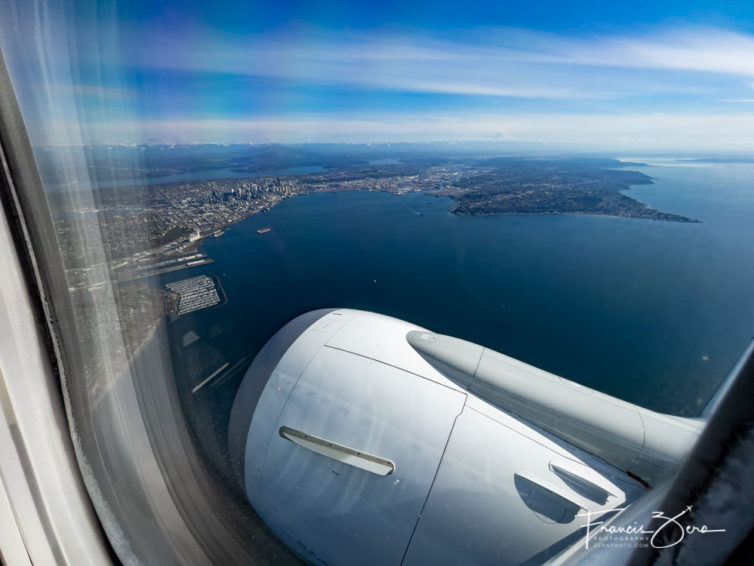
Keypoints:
pixel 421 285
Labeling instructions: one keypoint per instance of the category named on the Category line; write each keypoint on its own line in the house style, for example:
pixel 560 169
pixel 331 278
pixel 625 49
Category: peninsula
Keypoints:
pixel 521 186
pixel 153 228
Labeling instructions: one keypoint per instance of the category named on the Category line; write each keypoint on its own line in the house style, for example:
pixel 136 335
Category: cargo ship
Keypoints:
pixel 263 230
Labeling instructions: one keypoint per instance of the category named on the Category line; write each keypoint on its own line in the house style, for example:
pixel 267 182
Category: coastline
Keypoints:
pixel 686 220
pixel 195 246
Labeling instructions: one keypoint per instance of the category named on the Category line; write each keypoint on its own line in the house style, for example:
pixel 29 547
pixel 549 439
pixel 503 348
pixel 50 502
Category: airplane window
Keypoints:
pixel 420 284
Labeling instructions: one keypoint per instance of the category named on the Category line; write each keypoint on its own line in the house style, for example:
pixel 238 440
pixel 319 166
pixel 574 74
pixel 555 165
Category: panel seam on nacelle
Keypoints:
pixel 434 478
pixel 457 388
pixel 570 456
pixel 641 449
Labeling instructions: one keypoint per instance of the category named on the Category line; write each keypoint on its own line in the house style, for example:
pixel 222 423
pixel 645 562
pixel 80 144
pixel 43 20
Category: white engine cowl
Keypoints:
pixel 355 446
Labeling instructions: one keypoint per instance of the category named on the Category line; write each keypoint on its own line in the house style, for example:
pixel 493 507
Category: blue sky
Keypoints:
pixel 589 75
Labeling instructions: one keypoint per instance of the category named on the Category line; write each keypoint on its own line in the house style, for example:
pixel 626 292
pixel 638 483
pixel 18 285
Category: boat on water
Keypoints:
pixel 263 230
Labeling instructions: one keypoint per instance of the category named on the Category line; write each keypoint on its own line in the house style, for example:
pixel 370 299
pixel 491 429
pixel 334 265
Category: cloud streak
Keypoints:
pixel 598 91
pixel 633 132
pixel 509 63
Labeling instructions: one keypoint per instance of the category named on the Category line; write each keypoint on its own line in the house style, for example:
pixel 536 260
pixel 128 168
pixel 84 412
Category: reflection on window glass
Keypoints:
pixel 295 241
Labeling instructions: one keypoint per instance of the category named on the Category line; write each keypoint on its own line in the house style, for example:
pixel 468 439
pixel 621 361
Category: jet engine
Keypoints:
pixel 362 438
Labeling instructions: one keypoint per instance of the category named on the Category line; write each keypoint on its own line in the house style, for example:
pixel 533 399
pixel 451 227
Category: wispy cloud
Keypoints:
pixel 496 62
pixel 599 91
pixel 631 132
pixel 687 49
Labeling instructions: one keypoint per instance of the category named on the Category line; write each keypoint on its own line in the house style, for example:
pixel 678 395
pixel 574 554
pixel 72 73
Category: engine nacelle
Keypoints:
pixel 362 438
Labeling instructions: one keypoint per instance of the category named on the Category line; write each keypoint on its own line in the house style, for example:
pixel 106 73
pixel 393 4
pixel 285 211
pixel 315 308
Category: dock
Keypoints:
pixel 196 293
pixel 148 268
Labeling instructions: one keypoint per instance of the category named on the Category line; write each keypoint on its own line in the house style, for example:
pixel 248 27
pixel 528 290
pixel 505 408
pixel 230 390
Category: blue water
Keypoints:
pixel 655 313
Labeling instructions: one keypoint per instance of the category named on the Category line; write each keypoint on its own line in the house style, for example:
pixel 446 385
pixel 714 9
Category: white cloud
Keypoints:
pixel 715 66
pixel 494 62
pixel 650 132
pixel 685 49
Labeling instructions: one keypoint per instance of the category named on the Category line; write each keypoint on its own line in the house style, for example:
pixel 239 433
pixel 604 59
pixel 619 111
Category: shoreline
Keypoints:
pixel 686 220
pixel 195 246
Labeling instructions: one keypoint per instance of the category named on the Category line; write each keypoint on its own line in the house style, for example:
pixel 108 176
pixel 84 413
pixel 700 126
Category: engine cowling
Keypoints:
pixel 353 445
